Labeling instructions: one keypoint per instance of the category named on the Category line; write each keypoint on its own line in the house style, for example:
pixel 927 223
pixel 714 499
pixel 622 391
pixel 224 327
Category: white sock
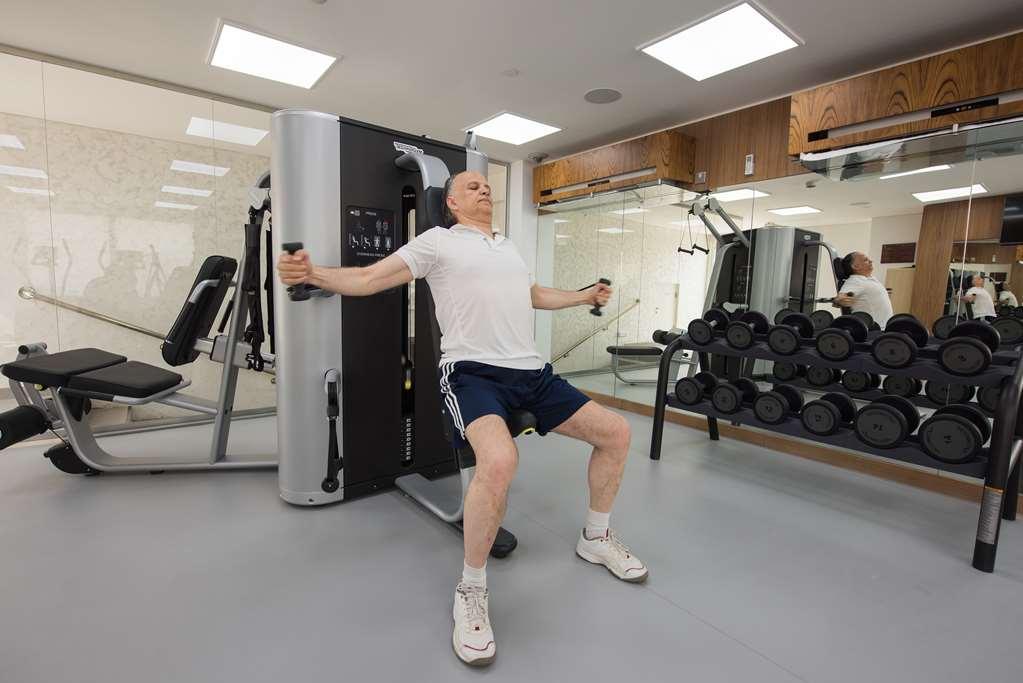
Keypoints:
pixel 596 524
pixel 473 576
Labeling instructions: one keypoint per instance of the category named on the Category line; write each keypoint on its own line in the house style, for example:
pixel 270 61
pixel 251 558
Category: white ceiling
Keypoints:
pixel 435 68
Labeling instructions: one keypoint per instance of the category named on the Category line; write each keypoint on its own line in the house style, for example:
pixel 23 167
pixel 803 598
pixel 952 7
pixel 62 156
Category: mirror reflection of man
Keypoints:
pixel 861 291
pixel 1005 295
pixel 980 299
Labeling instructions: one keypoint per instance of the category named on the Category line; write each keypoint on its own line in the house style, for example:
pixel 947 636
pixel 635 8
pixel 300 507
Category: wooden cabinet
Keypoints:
pixel 667 155
pixel 930 86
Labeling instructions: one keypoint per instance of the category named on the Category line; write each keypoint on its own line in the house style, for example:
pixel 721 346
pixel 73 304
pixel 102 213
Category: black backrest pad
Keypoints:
pixel 55 369
pixel 435 203
pixel 195 320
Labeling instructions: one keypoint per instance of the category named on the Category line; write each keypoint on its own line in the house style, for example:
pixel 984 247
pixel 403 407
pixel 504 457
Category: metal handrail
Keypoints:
pixel 29 293
pixel 595 332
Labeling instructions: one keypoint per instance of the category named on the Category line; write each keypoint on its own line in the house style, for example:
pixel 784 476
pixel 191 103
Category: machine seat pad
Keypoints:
pixel 56 369
pixel 132 379
pixel 635 350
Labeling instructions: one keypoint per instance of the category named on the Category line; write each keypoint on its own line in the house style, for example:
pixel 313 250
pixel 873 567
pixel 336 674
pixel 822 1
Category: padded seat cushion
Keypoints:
pixel 55 369
pixel 132 379
pixel 635 350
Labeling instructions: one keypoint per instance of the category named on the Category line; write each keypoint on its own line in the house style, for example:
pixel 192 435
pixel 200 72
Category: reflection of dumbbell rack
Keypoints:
pixel 998 464
pixel 919 400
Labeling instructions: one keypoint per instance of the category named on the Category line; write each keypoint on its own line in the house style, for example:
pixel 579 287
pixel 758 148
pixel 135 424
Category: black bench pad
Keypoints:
pixel 55 369
pixel 132 379
pixel 635 350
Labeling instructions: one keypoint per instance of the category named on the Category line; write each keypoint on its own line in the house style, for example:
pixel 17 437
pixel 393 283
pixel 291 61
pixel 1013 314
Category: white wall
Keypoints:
pixel 844 237
pixel 892 230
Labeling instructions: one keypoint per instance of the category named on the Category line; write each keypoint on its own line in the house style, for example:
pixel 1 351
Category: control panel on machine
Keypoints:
pixel 370 234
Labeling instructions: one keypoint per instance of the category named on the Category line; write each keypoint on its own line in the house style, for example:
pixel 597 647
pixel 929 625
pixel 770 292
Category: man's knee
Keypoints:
pixel 496 455
pixel 497 466
pixel 620 432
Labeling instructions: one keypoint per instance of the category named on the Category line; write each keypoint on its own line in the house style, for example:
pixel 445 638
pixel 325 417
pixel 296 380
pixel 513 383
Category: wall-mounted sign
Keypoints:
pixel 898 253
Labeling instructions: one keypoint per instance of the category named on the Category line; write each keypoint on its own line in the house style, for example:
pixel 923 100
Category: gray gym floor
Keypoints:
pixel 764 567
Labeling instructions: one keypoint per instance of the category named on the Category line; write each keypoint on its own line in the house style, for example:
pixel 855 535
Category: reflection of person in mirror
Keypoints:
pixel 861 291
pixel 981 301
pixel 1005 297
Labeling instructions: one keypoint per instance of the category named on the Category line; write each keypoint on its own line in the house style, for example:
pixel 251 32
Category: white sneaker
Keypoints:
pixel 609 551
pixel 473 639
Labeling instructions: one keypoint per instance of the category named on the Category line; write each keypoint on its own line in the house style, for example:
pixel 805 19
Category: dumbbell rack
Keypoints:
pixel 998 465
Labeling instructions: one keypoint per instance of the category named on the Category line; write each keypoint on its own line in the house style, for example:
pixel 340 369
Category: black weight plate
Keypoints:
pixel 943 326
pixel 783 340
pixel 748 388
pixel 802 323
pixel 770 407
pixel 937 392
pixel 726 398
pixel 1018 311
pixel 1005 310
pixel 688 391
pixel 785 372
pixel 844 404
pixel 856 381
pixel 1009 329
pixel 864 317
pixel 835 344
pixel 910 327
pixel 970 413
pixel 852 324
pixel 950 438
pixel 700 332
pixel 965 355
pixel 821 377
pixel 977 330
pixel 780 315
pixel 739 335
pixel 901 316
pixel 894 349
pixel 898 385
pixel 793 396
pixel 904 406
pixel 881 426
pixel 960 393
pixel 820 418
pixel 821 319
pixel 988 398
pixel 757 319
pixel 717 315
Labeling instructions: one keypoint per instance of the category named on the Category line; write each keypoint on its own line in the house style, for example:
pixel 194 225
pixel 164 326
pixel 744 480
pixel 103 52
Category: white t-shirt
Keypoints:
pixel 481 293
pixel 1007 298
pixel 983 305
pixel 869 296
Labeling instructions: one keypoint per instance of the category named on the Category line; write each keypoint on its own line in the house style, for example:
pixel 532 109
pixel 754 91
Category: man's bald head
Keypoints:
pixel 467 199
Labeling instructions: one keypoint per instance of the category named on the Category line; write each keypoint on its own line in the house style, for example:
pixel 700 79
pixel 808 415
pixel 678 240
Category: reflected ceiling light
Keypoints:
pixel 951 193
pixel 31 190
pixel 195 192
pixel 195 167
pixel 726 41
pixel 23 172
pixel 562 220
pixel 563 237
pixel 614 231
pixel 929 169
pixel 794 210
pixel 225 132
pixel 513 129
pixel 626 212
pixel 12 141
pixel 254 54
pixel 736 195
pixel 175 205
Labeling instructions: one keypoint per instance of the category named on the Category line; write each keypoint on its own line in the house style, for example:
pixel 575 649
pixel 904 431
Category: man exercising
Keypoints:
pixel 484 295
pixel 861 291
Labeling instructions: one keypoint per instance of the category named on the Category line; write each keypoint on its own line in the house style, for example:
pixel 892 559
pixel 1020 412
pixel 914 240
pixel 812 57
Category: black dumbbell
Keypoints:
pixel 897 346
pixel 988 398
pixel 741 333
pixel 786 337
pixel 821 319
pixel 941 393
pixel 784 371
pixel 838 341
pixel 886 422
pixel 822 377
pixel 702 331
pixel 1005 310
pixel 827 414
pixel 943 325
pixel 968 349
pixel 900 316
pixel 858 382
pixel 775 405
pixel 867 320
pixel 691 390
pixel 299 292
pixel 900 385
pixel 954 434
pixel 729 397
pixel 1010 328
pixel 1018 311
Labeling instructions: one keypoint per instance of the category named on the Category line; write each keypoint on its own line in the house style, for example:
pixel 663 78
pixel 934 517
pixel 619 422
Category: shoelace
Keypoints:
pixel 474 603
pixel 617 545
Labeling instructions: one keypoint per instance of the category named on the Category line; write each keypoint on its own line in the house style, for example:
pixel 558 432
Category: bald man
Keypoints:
pixel 484 294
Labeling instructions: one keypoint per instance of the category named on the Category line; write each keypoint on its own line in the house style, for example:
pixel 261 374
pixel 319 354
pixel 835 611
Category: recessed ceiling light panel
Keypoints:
pixel 196 167
pixel 950 193
pixel 929 169
pixel 175 205
pixel 12 141
pixel 225 132
pixel 614 231
pixel 513 129
pixel 251 53
pixel 794 210
pixel 193 191
pixel 725 41
pixel 23 172
pixel 736 195
pixel 31 190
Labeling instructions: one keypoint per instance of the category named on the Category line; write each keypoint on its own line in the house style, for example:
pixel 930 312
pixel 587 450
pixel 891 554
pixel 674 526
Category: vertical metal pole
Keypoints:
pixel 1012 490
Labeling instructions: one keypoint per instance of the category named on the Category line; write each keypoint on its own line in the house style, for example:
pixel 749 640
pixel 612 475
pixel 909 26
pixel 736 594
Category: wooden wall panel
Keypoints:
pixel 967 73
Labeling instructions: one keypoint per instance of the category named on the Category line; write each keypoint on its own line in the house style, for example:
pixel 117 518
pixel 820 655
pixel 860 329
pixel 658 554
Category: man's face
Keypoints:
pixel 861 264
pixel 978 281
pixel 470 197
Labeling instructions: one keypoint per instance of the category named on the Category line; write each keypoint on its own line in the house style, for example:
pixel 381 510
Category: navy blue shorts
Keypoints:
pixel 471 390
